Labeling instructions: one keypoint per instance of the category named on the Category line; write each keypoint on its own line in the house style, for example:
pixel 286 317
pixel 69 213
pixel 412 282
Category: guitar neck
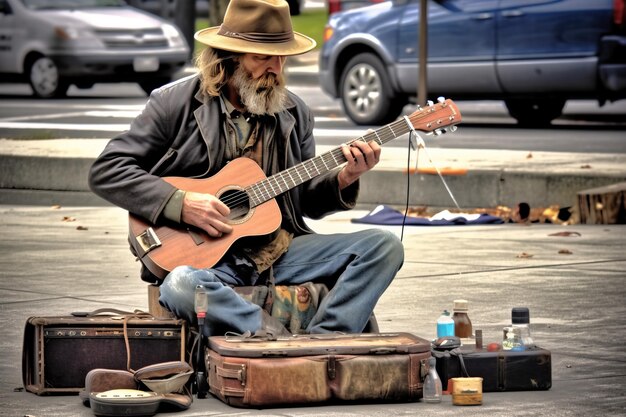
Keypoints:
pixel 283 181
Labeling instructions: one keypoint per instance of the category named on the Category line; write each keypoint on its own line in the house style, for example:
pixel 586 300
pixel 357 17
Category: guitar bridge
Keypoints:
pixel 148 240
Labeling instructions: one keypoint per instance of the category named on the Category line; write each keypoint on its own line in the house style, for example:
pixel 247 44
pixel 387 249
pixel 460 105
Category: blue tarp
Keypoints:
pixel 385 215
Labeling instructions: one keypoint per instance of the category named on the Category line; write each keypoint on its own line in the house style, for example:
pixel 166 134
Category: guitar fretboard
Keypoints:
pixel 283 181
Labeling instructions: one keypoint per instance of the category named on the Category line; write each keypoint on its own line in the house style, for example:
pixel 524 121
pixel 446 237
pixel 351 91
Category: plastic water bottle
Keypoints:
pixel 432 384
pixel 445 325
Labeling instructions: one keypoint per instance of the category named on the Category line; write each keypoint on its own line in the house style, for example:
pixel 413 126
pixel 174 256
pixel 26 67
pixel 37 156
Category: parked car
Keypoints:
pixel 55 43
pixel 533 54
pixel 167 8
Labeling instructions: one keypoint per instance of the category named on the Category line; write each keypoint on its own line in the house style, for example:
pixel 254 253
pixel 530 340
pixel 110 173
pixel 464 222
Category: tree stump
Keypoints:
pixel 603 205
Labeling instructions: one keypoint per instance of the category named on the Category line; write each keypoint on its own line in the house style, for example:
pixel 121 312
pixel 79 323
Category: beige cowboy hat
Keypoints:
pixel 257 27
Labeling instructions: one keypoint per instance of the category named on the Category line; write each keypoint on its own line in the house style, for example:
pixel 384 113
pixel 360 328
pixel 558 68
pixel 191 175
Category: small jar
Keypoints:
pixel 462 322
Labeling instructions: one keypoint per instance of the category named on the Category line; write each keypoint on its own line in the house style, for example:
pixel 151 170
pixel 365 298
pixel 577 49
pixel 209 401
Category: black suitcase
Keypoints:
pixel 58 352
pixel 503 370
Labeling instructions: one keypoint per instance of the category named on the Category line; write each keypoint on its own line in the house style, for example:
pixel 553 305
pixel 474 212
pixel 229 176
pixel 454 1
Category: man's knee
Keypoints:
pixel 388 244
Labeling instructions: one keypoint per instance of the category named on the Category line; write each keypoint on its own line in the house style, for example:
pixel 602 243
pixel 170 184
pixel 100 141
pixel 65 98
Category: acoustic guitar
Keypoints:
pixel 249 194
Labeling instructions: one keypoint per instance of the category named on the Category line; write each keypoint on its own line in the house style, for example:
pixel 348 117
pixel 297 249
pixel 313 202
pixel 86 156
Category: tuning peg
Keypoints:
pixel 441 100
pixel 430 103
pixel 452 129
pixel 438 132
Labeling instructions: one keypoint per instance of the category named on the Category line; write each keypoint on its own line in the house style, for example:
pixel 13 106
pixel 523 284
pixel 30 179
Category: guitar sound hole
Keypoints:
pixel 238 202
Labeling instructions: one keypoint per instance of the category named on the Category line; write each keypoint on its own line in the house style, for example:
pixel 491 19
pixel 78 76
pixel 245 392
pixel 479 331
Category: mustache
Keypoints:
pixel 267 81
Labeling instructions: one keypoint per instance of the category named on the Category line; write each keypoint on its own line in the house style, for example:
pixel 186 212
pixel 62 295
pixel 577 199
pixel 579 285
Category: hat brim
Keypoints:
pixel 300 44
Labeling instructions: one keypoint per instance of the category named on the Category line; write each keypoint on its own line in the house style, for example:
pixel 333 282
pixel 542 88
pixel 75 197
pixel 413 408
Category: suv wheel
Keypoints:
pixel 294 7
pixel 153 83
pixel 534 113
pixel 43 76
pixel 366 92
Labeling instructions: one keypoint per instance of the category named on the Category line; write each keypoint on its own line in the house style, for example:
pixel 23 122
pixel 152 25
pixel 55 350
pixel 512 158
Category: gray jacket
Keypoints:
pixel 178 134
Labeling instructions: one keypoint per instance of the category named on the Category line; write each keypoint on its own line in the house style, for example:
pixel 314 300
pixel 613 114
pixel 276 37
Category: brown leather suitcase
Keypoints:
pixel 252 372
pixel 58 352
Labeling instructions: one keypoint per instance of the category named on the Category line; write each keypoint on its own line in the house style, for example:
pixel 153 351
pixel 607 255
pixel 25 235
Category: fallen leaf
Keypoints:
pixel 68 219
pixel 525 255
pixel 81 228
pixel 587 166
pixel 55 207
pixel 565 234
pixel 530 155
pixel 565 252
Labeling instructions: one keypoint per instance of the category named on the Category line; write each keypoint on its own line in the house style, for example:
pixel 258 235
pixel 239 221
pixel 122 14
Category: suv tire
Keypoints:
pixel 366 92
pixel 44 79
pixel 153 83
pixel 535 113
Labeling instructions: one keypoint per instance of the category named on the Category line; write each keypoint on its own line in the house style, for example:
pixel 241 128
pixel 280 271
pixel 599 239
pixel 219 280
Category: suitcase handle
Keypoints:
pixel 109 311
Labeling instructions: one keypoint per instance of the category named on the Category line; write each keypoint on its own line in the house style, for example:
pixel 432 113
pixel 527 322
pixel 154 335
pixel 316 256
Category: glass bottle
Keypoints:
pixel 462 322
pixel 432 384
pixel 520 318
pixel 445 325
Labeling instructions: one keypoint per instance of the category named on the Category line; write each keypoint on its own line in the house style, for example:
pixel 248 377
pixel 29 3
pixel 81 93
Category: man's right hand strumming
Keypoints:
pixel 206 212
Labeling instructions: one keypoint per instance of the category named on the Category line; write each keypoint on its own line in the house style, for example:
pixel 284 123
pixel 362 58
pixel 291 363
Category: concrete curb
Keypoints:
pixel 55 172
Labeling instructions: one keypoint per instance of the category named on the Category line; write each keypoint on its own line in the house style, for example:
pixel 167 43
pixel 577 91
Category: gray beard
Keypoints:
pixel 264 96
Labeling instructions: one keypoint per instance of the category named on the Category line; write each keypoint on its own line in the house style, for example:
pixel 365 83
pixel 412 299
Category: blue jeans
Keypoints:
pixel 356 267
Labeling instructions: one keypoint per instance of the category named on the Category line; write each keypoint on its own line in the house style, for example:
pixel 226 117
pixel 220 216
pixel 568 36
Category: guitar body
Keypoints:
pixel 163 247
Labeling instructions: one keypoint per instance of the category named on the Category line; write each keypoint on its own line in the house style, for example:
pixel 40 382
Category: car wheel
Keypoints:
pixel 43 76
pixel 153 83
pixel 535 113
pixel 366 92
pixel 294 7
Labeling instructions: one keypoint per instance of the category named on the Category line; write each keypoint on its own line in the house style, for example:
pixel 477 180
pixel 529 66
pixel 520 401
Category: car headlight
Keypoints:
pixel 69 33
pixel 173 35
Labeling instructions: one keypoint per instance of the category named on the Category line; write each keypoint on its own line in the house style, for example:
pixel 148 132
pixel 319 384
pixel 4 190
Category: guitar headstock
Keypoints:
pixel 436 117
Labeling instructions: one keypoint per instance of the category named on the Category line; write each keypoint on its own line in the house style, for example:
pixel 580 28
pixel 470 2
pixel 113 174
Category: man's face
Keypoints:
pixel 259 65
pixel 260 83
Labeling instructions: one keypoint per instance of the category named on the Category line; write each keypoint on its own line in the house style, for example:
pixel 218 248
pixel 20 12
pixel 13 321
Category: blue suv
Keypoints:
pixel 533 54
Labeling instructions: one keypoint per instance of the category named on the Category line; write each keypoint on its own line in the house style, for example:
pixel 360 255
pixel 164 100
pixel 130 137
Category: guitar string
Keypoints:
pixel 241 196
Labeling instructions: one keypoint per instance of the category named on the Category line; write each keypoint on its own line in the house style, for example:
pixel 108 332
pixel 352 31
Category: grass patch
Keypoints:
pixel 309 22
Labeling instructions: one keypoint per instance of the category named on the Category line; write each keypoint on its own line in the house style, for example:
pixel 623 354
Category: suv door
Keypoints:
pixel 550 45
pixel 461 46
pixel 7 50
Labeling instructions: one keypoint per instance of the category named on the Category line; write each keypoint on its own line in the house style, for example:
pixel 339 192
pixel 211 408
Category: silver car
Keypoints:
pixel 53 44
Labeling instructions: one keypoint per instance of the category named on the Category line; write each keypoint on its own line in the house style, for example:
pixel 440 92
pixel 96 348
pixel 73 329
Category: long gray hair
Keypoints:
pixel 216 66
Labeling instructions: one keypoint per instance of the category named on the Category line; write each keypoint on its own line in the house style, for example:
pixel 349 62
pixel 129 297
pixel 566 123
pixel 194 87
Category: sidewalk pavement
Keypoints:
pixel 61 259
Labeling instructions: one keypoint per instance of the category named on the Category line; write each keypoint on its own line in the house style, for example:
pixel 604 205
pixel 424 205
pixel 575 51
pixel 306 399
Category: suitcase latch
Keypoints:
pixel 331 367
pixel 423 369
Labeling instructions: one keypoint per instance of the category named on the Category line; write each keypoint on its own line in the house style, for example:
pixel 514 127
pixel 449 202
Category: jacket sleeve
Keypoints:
pixel 123 173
